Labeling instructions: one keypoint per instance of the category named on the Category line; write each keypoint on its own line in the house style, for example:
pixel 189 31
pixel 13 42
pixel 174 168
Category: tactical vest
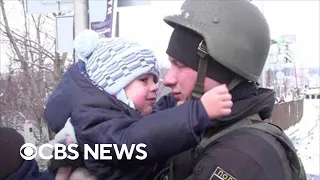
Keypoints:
pixel 181 166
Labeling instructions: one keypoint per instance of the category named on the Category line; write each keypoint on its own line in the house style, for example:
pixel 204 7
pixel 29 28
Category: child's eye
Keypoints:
pixel 144 80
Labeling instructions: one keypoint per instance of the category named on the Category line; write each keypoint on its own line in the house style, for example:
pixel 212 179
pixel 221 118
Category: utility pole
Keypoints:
pixel 80 18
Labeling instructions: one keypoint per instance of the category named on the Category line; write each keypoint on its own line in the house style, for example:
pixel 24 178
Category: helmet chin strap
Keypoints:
pixel 234 82
pixel 202 52
pixel 198 90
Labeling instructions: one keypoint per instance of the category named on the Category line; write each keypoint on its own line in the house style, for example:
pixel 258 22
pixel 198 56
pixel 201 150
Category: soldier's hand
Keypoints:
pixel 217 102
pixel 78 174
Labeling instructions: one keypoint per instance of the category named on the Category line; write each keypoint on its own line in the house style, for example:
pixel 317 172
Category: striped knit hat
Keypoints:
pixel 113 63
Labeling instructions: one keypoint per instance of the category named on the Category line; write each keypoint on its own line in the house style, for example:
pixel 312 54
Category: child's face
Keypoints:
pixel 142 92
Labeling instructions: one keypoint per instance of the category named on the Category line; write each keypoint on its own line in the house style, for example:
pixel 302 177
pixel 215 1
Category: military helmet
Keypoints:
pixel 235 32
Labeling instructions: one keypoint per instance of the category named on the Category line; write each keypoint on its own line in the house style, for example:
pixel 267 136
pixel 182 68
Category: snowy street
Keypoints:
pixel 305 137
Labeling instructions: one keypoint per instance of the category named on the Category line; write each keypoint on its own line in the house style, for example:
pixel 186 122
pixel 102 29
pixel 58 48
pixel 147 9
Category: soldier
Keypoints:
pixel 227 42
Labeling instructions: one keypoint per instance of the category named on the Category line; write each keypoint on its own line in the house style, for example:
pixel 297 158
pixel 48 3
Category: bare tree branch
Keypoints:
pixel 9 35
pixel 30 79
pixel 38 65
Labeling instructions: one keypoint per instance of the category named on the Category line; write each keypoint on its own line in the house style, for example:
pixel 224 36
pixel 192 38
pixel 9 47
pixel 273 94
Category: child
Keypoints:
pixel 112 101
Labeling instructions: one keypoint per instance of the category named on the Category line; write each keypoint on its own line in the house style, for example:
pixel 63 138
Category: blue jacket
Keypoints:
pixel 29 171
pixel 99 118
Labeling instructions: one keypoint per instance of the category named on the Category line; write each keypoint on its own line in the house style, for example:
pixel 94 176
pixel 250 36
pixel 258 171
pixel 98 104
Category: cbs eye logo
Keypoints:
pixel 28 151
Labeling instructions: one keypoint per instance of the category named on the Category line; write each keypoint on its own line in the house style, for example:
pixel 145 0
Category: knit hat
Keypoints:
pixel 183 47
pixel 113 63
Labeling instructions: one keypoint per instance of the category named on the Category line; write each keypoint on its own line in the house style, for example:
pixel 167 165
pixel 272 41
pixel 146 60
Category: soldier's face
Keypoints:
pixel 181 79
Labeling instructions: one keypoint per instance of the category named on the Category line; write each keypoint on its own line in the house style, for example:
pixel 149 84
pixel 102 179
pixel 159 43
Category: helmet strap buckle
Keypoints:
pixel 202 52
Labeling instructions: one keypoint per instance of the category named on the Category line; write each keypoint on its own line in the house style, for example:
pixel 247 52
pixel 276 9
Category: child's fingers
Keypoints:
pixel 81 174
pixel 225 97
pixel 221 89
pixel 227 104
pixel 68 140
pixel 225 112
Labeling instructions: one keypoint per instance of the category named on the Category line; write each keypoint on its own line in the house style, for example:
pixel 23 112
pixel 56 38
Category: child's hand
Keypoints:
pixel 78 174
pixel 68 140
pixel 67 134
pixel 217 102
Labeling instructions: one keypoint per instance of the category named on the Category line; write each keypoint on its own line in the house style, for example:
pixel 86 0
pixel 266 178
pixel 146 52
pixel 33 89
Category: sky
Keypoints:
pixel 300 18
pixel 145 24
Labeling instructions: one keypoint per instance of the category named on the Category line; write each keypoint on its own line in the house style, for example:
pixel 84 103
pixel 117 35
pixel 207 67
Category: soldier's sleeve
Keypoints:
pixel 227 164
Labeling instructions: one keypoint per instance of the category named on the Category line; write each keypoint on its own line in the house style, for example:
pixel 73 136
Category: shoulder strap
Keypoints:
pixel 208 141
pixel 192 155
pixel 276 131
pixel 271 129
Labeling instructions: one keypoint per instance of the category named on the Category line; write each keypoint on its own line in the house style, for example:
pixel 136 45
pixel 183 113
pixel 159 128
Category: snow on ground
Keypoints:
pixel 305 137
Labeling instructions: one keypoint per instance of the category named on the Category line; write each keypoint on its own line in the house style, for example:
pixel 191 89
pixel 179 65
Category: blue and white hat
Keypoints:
pixel 113 63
